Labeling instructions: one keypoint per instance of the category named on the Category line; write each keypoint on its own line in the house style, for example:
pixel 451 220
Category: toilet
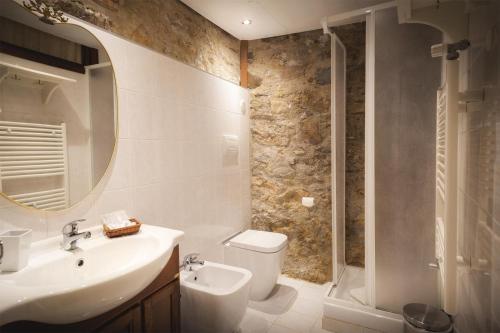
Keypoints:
pixel 262 253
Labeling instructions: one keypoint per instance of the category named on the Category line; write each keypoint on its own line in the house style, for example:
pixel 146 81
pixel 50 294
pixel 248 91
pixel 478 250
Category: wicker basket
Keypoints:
pixel 123 231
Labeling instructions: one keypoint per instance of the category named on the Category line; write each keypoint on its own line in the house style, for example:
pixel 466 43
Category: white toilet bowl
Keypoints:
pixel 262 253
pixel 214 298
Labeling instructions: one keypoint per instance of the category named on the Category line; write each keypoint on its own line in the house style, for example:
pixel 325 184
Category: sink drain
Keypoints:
pixel 80 262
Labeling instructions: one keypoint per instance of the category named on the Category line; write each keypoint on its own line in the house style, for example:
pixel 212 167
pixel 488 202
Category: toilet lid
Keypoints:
pixel 260 241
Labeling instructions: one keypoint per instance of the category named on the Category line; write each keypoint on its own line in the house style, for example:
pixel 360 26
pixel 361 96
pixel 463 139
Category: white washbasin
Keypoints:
pixel 55 289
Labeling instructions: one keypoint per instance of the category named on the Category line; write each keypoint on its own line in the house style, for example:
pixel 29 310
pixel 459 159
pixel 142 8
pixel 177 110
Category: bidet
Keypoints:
pixel 214 298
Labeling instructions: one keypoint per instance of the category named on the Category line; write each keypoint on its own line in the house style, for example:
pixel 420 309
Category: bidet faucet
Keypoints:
pixel 71 235
pixel 191 259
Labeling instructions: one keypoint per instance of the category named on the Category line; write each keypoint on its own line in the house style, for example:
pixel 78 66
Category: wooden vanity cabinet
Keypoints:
pixel 155 310
pixel 161 311
pixel 128 322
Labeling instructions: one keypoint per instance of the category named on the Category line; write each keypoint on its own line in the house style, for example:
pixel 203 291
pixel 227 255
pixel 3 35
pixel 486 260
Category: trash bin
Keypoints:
pixel 421 318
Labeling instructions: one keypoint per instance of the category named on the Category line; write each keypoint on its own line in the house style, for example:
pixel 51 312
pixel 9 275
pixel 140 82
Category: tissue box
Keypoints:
pixel 14 250
pixel 123 231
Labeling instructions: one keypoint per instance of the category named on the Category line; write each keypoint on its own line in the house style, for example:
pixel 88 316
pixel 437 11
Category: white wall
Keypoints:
pixel 169 168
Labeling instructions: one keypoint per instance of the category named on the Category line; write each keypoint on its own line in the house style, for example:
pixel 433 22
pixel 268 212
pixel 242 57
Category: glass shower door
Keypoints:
pixel 338 118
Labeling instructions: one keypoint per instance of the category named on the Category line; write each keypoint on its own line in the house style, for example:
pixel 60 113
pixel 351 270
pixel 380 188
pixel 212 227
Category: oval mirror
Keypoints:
pixel 58 110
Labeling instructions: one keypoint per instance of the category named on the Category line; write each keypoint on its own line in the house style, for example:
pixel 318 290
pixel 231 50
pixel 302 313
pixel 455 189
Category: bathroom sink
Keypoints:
pixel 61 287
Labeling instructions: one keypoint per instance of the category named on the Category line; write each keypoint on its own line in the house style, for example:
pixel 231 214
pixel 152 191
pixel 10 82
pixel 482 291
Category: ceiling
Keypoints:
pixel 272 17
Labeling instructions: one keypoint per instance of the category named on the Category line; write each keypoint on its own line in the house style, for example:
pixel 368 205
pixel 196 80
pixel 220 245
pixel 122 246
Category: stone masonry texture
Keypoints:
pixel 289 78
pixel 166 26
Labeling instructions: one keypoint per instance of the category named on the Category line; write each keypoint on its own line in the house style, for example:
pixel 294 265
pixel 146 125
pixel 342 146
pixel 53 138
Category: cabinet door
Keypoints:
pixel 128 322
pixel 162 310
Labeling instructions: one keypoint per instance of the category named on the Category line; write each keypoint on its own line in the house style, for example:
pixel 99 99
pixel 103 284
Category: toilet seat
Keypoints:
pixel 259 241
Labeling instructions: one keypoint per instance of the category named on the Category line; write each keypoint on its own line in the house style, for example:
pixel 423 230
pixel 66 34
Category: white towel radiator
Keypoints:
pixel 30 150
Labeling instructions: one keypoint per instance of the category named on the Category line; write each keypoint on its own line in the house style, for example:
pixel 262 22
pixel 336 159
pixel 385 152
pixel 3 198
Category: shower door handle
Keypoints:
pixel 434 265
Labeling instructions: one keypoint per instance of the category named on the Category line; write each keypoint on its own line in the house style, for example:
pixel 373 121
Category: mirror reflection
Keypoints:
pixel 57 110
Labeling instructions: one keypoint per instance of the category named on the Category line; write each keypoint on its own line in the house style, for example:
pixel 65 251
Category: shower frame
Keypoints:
pixel 365 15
pixel 364 315
pixel 451 24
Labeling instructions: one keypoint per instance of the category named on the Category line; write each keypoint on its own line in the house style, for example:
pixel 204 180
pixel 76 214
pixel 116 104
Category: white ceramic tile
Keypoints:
pixel 296 321
pixel 338 326
pixel 145 204
pixel 314 291
pixel 291 282
pixel 172 204
pixel 308 307
pixel 121 174
pixel 158 118
pixel 281 329
pixel 141 108
pixel 169 107
pixel 318 327
pixel 208 123
pixel 279 302
pixel 144 162
pixel 167 76
pixel 203 196
pixel 191 158
pixel 227 122
pixel 113 200
pixel 254 322
pixel 271 318
pixel 192 122
pixel 124 114
pixel 207 157
pixel 172 160
pixel 142 70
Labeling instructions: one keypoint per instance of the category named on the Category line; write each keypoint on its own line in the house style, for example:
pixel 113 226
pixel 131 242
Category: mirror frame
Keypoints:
pixel 61 18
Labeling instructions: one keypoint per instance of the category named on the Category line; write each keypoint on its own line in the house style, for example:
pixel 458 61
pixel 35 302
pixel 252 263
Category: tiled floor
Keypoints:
pixel 295 306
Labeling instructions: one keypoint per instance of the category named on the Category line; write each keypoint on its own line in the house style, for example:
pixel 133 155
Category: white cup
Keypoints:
pixel 14 250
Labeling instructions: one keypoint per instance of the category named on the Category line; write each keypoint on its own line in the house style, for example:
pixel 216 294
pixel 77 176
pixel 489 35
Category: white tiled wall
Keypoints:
pixel 169 168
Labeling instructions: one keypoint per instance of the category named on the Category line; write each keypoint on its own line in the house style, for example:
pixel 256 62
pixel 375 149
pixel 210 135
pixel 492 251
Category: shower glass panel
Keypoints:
pixel 406 80
pixel 338 106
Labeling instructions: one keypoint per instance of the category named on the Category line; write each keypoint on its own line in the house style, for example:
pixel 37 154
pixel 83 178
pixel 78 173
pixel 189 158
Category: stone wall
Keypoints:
pixel 353 37
pixel 290 122
pixel 166 26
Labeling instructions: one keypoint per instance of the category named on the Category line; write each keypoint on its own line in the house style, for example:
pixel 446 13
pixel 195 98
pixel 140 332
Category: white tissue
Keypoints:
pixel 116 220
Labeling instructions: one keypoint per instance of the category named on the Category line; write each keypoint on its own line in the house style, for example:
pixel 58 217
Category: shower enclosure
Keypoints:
pixel 348 281
pixel 401 81
pixel 338 107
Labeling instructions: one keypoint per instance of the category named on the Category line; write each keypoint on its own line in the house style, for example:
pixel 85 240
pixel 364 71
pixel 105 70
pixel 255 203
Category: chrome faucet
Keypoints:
pixel 191 259
pixel 71 235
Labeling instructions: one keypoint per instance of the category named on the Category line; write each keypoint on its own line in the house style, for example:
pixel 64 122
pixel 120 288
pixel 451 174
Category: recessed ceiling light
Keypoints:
pixel 368 11
pixel 246 22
